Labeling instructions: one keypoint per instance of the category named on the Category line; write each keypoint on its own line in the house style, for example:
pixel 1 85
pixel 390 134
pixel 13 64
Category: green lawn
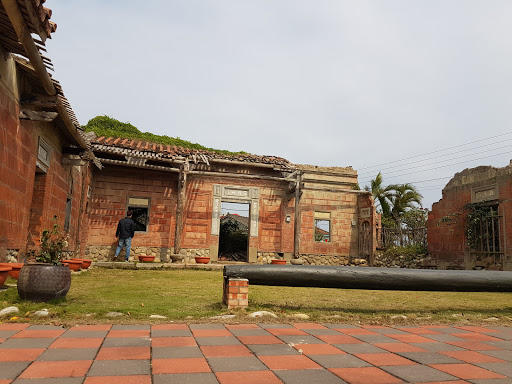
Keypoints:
pixel 195 295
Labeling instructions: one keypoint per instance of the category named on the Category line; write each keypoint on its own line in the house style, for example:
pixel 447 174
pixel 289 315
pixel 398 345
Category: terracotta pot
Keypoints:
pixel 16 268
pixel 202 259
pixel 44 282
pixel 74 265
pixel 146 258
pixel 278 261
pixel 85 262
pixel 4 272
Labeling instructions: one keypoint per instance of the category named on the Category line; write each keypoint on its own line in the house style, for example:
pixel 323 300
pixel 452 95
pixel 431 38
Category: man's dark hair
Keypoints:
pixel 129 213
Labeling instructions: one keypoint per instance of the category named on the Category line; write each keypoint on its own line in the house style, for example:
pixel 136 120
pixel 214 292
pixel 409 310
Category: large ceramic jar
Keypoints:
pixel 44 282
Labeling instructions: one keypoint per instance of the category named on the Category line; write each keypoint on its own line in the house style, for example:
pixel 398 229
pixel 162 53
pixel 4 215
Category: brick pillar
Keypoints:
pixel 236 293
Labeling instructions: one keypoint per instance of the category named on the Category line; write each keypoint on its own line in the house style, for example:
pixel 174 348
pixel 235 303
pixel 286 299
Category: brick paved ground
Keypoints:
pixel 304 353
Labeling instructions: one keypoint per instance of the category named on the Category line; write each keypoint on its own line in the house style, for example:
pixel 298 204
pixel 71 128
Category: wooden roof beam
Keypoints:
pixel 16 18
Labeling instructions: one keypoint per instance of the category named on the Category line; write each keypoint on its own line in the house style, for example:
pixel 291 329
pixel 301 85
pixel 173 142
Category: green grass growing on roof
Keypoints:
pixel 109 127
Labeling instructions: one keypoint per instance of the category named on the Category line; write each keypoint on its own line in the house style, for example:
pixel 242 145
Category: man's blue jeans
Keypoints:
pixel 124 243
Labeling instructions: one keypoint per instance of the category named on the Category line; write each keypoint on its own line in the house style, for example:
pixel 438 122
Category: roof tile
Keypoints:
pixel 102 144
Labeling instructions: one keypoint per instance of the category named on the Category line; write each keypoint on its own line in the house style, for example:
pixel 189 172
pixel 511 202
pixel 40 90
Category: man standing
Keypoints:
pixel 125 232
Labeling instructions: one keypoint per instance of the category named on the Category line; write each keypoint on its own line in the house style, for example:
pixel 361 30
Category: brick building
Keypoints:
pixel 42 175
pixel 179 193
pixel 484 193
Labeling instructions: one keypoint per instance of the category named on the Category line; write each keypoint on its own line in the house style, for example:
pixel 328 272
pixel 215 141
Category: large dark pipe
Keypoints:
pixel 372 278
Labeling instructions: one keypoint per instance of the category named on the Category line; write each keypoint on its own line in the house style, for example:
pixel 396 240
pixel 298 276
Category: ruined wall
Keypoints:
pixel 446 222
pixel 330 190
pixel 113 186
pixel 20 189
pixel 111 189
pixel 343 215
pixel 272 229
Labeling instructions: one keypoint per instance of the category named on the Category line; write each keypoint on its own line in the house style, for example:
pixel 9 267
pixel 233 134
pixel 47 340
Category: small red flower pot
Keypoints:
pixel 278 261
pixel 85 262
pixel 16 268
pixel 4 272
pixel 146 258
pixel 202 259
pixel 74 265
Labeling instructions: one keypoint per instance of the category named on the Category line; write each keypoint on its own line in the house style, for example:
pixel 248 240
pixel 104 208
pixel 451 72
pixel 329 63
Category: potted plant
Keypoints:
pixel 47 278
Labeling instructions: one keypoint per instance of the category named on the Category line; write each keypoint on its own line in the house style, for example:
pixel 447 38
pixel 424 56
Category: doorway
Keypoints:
pixel 234 231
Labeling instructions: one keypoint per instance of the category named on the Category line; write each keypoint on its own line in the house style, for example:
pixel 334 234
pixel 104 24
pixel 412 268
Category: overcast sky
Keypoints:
pixel 332 83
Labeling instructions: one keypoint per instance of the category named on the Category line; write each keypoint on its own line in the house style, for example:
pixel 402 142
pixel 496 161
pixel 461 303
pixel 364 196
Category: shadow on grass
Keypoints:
pixel 287 307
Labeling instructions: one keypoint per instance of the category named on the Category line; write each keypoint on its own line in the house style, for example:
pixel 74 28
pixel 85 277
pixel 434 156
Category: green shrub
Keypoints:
pixel 110 127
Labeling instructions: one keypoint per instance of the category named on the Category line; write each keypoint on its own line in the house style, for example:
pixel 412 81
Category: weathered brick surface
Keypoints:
pixel 447 221
pixel 19 186
pixel 113 187
pixel 236 293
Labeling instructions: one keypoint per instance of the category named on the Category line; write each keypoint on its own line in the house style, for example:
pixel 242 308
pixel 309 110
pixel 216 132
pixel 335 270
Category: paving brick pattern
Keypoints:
pixel 254 353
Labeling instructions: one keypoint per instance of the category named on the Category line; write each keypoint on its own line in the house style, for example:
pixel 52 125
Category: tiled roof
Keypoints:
pixel 244 221
pixel 155 150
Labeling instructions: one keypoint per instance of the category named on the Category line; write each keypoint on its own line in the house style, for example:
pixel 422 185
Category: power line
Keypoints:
pixel 444 166
pixel 438 162
pixel 440 150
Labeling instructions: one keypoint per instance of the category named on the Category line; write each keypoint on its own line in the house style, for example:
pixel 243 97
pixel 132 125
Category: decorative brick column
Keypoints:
pixel 236 293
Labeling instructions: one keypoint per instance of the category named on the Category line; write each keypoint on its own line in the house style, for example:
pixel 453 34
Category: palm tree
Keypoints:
pixel 403 197
pixel 380 194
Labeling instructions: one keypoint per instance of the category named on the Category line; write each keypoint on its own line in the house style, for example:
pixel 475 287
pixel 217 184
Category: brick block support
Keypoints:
pixel 236 293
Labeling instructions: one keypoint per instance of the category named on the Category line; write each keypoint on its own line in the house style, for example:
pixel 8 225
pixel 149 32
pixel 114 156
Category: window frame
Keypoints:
pixel 42 161
pixel 322 216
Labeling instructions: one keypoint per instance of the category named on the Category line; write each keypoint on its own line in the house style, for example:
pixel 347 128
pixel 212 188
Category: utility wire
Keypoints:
pixel 437 162
pixel 440 150
pixel 444 166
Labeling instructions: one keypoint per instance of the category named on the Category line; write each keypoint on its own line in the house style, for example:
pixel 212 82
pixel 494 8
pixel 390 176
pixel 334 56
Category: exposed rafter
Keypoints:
pixel 17 21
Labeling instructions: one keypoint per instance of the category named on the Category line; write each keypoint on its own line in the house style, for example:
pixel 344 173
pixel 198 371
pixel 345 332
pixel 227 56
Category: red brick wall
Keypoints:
pixel 15 185
pixel 18 151
pixel 111 188
pixel 445 231
pixel 343 209
pixel 272 236
pixel 445 237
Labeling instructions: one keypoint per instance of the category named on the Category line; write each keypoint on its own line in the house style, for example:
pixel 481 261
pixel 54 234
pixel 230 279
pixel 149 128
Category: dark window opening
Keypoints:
pixel 159 163
pixel 67 218
pixel 111 156
pixel 141 218
pixel 483 235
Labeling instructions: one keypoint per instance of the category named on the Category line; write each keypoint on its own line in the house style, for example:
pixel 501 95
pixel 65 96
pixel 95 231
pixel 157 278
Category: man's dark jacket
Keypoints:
pixel 125 228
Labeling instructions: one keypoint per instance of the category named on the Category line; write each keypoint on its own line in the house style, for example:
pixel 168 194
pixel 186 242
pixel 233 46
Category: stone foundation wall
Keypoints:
pixel 162 254
pixel 11 256
pixel 267 257
pixel 403 261
pixel 332 260
pixel 191 253
pixel 68 254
